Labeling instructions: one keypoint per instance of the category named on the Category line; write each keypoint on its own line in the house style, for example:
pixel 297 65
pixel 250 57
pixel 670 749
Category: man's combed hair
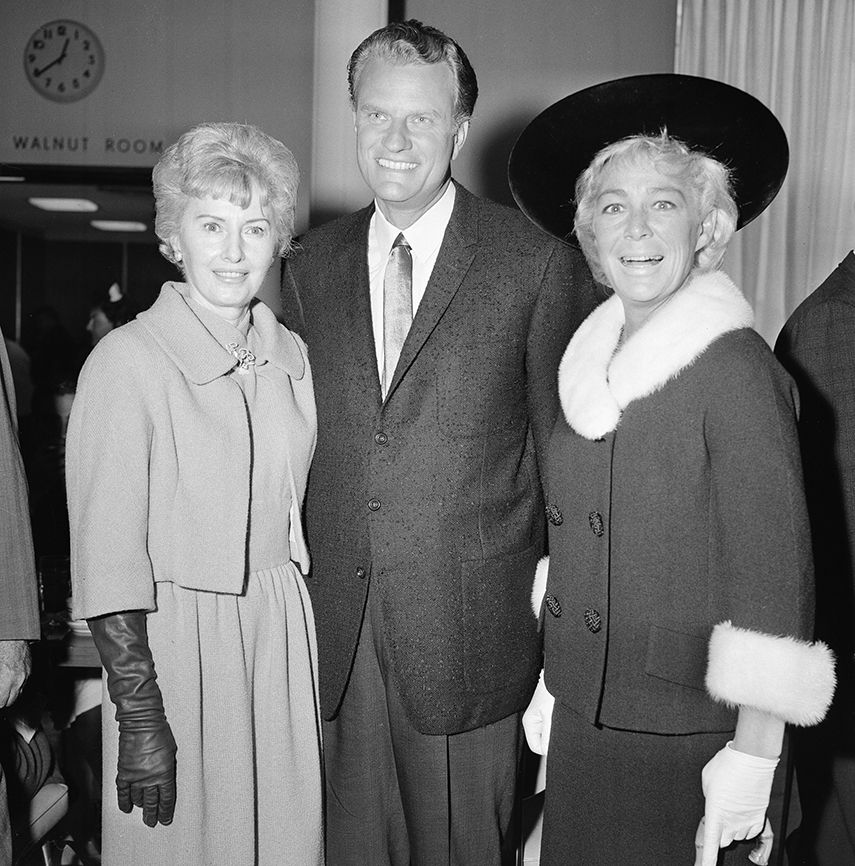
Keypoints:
pixel 414 42
pixel 225 161
pixel 707 178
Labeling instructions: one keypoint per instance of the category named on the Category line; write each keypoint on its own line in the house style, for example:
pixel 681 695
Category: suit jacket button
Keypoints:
pixel 381 438
pixel 373 504
pixel 553 605
pixel 554 515
pixel 360 572
pixel 596 521
pixel 593 620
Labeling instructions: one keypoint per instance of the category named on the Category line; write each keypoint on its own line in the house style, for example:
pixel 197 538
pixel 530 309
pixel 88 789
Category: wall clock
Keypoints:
pixel 64 60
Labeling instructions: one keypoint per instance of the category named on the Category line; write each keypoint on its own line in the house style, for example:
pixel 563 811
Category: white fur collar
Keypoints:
pixel 596 384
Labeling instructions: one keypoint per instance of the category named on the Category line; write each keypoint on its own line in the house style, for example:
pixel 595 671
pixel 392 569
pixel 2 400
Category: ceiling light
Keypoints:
pixel 118 226
pixel 12 178
pixel 70 205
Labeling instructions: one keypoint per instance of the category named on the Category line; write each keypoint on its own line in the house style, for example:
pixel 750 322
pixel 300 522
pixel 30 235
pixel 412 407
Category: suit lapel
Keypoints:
pixel 352 270
pixel 456 255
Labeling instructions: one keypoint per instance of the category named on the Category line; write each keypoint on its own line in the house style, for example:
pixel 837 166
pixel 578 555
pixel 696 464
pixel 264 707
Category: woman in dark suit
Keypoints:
pixel 678 594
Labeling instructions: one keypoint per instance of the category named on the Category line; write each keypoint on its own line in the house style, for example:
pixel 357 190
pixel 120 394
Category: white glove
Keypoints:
pixel 537 719
pixel 736 786
pixel 759 855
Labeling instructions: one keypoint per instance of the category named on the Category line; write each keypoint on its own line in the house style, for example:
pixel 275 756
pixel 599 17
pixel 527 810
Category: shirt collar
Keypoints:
pixel 425 235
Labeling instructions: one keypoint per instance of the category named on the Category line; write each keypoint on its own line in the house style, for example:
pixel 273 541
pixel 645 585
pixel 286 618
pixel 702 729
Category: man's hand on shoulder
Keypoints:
pixel 14 669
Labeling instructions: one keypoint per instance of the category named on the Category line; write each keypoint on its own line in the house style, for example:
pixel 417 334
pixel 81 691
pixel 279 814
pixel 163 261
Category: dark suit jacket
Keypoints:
pixel 19 617
pixel 817 346
pixel 434 496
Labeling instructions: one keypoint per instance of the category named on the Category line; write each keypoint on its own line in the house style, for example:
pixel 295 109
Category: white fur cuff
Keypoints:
pixel 538 588
pixel 786 677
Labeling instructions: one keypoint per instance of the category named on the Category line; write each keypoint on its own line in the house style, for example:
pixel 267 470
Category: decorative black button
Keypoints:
pixel 593 620
pixel 360 572
pixel 553 515
pixel 596 521
pixel 374 504
pixel 553 605
pixel 381 438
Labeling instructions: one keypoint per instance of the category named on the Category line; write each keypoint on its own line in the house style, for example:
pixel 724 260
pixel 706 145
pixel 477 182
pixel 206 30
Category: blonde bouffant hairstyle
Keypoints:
pixel 225 161
pixel 707 179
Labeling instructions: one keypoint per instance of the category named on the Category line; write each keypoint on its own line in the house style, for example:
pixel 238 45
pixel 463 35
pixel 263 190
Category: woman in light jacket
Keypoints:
pixel 188 450
pixel 678 595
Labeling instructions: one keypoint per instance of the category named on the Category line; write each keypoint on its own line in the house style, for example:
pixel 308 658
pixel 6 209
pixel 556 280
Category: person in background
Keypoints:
pixel 434 321
pixel 678 603
pixel 188 448
pixel 112 311
pixel 19 364
pixel 817 346
pixel 54 357
pixel 19 610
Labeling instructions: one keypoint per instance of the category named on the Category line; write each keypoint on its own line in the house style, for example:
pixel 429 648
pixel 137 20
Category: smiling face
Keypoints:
pixel 647 229
pixel 225 251
pixel 406 135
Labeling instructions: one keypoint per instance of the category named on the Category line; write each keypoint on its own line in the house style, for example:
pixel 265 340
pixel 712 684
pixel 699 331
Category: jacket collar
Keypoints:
pixel 202 358
pixel 597 381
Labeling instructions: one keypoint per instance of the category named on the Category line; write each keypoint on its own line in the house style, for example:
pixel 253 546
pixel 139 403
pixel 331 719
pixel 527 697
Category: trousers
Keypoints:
pixel 397 797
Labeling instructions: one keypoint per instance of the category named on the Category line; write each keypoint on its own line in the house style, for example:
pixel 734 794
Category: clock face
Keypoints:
pixel 64 60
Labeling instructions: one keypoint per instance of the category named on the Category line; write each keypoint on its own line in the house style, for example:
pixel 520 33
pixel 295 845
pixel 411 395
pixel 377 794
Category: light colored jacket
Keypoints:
pixel 159 459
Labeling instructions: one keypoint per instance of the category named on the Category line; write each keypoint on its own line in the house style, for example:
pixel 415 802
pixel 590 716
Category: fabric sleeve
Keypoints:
pixel 566 296
pixel 19 612
pixel 292 308
pixel 817 348
pixel 762 540
pixel 108 451
pixel 760 522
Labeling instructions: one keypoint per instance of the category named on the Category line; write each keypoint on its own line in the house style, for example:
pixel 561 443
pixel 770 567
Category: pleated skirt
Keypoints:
pixel 238 676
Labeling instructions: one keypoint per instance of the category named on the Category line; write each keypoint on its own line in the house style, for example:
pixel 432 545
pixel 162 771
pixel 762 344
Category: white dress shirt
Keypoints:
pixel 424 237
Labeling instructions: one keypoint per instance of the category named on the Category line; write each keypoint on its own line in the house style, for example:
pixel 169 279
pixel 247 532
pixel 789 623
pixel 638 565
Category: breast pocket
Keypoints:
pixel 480 389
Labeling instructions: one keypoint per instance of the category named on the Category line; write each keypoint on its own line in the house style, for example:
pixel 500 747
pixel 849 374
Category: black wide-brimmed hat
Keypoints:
pixel 722 121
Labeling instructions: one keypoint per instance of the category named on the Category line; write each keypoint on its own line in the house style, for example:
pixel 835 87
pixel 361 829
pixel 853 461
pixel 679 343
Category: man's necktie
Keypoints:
pixel 397 306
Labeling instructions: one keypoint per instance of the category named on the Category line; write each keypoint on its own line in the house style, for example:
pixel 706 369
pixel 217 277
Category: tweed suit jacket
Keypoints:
pixel 817 346
pixel 19 613
pixel 433 496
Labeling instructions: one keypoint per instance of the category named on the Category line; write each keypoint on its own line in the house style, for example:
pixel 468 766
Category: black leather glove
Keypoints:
pixel 146 769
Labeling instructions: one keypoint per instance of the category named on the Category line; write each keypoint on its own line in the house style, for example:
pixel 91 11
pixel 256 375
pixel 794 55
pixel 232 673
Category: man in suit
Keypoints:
pixel 817 346
pixel 435 321
pixel 19 613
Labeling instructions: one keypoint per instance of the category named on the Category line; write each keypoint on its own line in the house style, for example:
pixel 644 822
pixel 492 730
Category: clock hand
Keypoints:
pixel 62 56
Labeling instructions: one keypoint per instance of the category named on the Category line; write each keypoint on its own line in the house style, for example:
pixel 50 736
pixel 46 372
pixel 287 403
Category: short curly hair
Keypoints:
pixel 414 42
pixel 225 160
pixel 707 178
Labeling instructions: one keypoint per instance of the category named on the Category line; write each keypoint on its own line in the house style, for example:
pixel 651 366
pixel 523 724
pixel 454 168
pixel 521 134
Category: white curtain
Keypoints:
pixel 798 57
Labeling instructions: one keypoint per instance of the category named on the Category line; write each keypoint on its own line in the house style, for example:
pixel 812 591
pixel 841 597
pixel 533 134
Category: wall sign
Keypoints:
pixel 64 60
